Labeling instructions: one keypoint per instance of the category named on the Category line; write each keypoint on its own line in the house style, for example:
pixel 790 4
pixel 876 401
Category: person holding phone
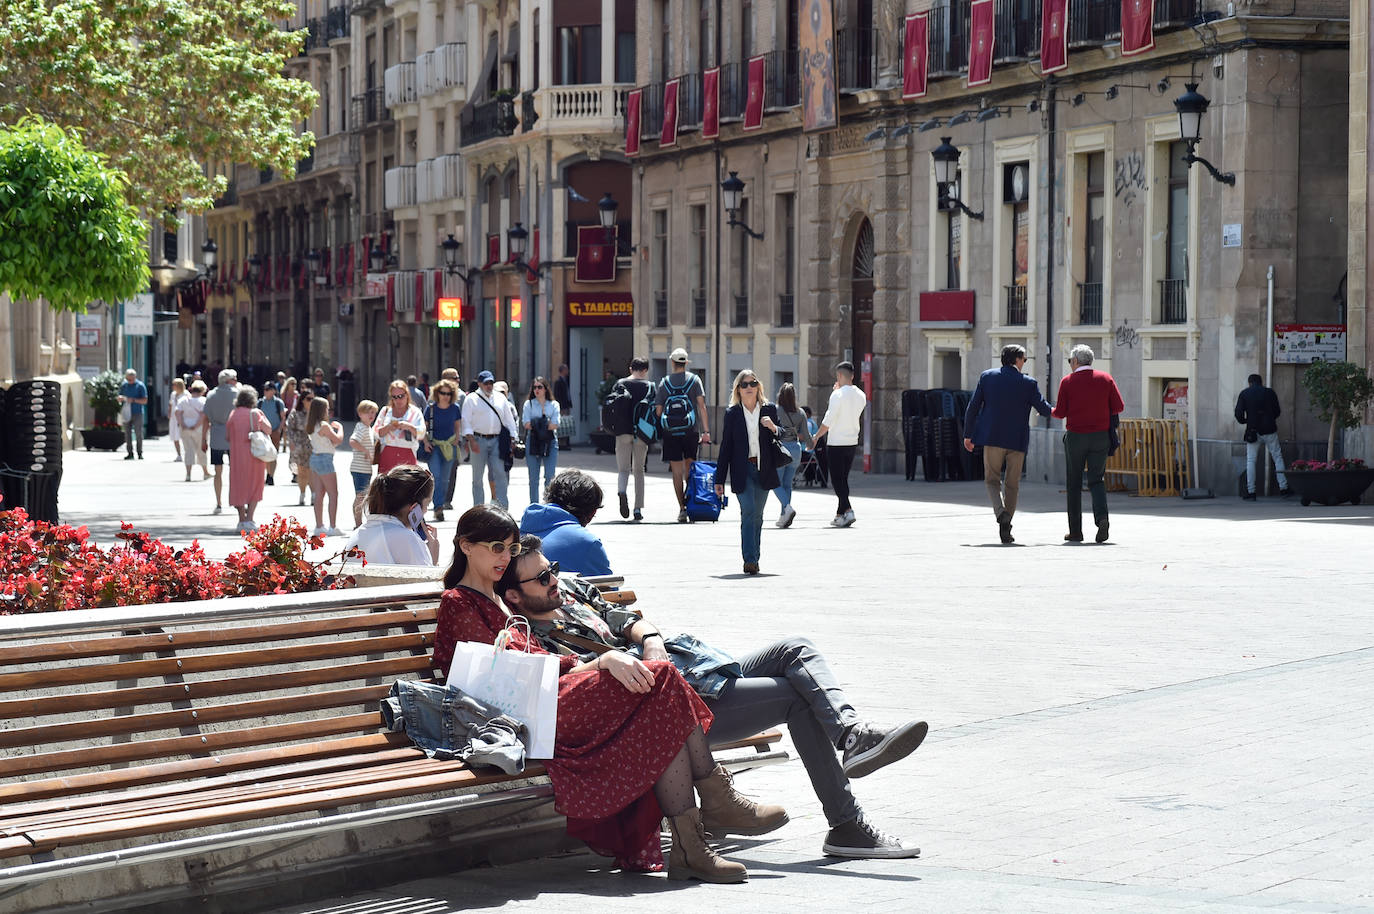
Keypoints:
pixel 395 532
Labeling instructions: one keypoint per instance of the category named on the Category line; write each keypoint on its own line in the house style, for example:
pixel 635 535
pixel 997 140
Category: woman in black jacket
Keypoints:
pixel 748 458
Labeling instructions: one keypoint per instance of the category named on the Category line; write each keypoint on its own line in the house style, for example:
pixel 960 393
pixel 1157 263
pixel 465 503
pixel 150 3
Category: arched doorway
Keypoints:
pixel 861 294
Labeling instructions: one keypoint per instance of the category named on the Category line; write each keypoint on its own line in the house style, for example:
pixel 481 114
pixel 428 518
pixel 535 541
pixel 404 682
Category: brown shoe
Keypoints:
pixel 438 514
pixel 724 810
pixel 1073 537
pixel 692 858
pixel 751 567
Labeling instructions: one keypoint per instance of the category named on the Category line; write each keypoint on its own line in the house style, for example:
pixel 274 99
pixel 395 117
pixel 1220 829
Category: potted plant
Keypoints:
pixel 1340 391
pixel 102 393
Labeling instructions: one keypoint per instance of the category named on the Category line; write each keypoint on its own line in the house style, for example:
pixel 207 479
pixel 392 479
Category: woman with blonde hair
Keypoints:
pixel 400 426
pixel 188 417
pixel 749 460
pixel 325 435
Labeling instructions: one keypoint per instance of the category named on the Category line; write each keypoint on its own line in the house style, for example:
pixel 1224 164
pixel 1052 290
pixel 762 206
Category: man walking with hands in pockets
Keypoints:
pixel 841 423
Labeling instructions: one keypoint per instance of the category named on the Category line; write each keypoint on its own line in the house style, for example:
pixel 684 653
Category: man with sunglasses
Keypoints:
pixel 787 682
pixel 484 415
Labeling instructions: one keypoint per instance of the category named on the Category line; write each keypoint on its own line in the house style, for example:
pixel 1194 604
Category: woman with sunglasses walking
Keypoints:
pixel 541 418
pixel 631 739
pixel 748 459
pixel 400 426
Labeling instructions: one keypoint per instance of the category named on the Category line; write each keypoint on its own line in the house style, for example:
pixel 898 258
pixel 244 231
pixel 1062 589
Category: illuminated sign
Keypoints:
pixel 517 313
pixel 609 310
pixel 450 312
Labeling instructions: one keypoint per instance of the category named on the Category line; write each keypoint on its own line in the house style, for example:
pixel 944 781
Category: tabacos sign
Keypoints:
pixel 611 310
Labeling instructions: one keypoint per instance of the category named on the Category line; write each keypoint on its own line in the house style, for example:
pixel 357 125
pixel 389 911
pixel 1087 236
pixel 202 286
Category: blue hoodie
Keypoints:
pixel 572 546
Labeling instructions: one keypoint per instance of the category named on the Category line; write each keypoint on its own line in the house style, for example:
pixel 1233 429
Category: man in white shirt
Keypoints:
pixel 484 415
pixel 841 424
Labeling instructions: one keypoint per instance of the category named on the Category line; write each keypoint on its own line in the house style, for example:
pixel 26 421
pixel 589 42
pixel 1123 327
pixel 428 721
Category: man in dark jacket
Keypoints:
pixel 1257 408
pixel 997 418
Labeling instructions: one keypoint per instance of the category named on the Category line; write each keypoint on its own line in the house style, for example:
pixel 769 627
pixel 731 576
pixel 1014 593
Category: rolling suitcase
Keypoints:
pixel 702 503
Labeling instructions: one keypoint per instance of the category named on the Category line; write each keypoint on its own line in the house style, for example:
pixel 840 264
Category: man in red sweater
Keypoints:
pixel 1087 401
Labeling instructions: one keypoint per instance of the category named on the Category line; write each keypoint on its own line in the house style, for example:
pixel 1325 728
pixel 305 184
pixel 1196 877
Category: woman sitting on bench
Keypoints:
pixel 631 742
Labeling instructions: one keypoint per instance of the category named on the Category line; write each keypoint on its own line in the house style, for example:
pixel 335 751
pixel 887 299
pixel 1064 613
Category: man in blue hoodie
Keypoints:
pixel 570 502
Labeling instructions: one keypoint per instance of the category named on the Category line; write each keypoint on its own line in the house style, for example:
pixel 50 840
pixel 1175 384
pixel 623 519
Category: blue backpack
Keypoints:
pixel 702 501
pixel 679 412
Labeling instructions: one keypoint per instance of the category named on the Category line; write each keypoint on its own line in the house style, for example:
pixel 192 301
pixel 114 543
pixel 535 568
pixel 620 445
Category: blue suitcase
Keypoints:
pixel 702 503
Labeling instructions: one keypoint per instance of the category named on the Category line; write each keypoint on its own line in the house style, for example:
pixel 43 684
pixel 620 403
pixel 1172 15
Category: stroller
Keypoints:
pixel 811 468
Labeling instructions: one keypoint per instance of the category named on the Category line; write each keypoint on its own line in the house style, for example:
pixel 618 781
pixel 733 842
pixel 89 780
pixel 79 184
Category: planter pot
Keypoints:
pixel 102 439
pixel 1330 487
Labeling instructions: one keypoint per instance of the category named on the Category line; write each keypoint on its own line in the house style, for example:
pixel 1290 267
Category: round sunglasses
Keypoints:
pixel 499 548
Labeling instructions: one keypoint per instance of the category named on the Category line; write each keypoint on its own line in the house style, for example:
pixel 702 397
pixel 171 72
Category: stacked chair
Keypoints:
pixel 31 460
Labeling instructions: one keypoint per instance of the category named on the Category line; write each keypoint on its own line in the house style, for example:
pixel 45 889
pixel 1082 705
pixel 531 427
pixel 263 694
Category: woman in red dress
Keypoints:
pixel 631 737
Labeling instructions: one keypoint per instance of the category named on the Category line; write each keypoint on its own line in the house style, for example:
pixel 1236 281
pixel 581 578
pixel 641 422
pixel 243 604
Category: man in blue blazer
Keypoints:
pixel 998 418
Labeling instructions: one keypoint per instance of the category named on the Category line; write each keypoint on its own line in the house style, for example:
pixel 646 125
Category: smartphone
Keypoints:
pixel 417 520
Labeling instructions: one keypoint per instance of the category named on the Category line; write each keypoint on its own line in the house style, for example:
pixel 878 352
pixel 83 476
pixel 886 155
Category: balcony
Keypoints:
pixel 1092 21
pixel 1173 301
pixel 369 109
pixel 595 108
pixel 1090 303
pixel 399 187
pixel 318 36
pixel 1016 306
pixel 439 178
pixel 855 61
pixel 338 24
pixel 335 150
pixel 441 69
pixel 399 83
pixel 1016 30
pixel 488 120
pixel 949 36
pixel 781 80
pixel 689 101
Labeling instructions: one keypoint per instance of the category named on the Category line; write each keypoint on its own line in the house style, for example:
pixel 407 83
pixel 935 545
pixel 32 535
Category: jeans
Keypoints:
pixel 841 460
pixel 1002 471
pixel 440 468
pixel 486 460
pixel 1085 449
pixel 447 500
pixel 133 429
pixel 550 465
pixel 752 499
pixel 790 682
pixel 630 454
pixel 1271 443
pixel 787 473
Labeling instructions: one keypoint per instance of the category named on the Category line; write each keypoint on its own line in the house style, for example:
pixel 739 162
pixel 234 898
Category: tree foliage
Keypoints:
pixel 160 86
pixel 68 234
pixel 1340 391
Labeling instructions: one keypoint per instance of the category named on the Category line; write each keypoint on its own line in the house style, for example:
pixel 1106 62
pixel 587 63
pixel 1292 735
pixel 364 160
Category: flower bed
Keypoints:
pixel 1322 466
pixel 47 567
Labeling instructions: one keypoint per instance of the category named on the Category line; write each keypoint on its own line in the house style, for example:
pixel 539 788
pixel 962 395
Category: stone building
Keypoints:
pixel 1081 221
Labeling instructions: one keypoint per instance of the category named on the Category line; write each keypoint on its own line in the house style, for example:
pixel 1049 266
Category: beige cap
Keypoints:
pixel 679 355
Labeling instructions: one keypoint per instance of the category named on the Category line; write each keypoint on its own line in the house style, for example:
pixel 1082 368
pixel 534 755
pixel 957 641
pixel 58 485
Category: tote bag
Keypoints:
pixel 260 443
pixel 522 685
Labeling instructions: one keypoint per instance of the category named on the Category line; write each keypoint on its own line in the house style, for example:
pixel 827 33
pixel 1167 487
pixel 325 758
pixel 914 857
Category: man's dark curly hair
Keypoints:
pixel 575 492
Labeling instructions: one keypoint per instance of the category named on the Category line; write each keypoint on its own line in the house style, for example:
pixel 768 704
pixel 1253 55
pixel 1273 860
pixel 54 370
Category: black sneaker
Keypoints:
pixel 1248 496
pixel 270 481
pixel 624 505
pixel 868 748
pixel 859 838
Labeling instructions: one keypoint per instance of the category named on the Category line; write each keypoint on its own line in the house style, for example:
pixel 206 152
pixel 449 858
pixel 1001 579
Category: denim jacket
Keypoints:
pixel 448 724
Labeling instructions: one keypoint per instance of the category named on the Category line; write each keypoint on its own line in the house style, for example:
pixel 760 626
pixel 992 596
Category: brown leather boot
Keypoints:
pixel 692 858
pixel 724 810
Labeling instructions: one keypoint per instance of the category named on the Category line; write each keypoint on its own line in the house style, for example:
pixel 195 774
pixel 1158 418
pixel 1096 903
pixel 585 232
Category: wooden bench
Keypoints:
pixel 201 741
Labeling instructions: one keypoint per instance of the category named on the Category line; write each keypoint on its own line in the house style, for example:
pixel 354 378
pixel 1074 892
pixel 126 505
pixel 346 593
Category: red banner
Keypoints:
pixel 1054 35
pixel 493 251
pixel 595 254
pixel 533 259
pixel 633 102
pixel 668 136
pixel 390 297
pixel 917 55
pixel 710 103
pixel 980 41
pixel 1137 26
pixel 419 295
pixel 438 288
pixel 753 104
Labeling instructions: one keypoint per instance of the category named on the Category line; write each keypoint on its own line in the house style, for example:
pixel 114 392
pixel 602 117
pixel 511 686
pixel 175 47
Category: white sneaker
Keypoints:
pixel 218 510
pixel 333 531
pixel 848 519
pixel 319 531
pixel 838 521
pixel 249 526
pixel 789 513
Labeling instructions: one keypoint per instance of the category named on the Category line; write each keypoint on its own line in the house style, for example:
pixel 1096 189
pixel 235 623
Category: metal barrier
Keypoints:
pixel 1154 452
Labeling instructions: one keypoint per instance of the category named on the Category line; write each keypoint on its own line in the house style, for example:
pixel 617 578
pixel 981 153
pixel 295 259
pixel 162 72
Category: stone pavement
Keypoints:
pixel 1176 721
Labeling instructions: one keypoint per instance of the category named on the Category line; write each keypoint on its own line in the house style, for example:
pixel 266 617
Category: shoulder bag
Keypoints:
pixel 259 442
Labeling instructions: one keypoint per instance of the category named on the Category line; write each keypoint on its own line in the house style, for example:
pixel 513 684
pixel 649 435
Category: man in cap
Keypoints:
pixel 484 415
pixel 681 412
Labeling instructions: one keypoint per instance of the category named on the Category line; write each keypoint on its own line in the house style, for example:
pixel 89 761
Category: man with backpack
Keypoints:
pixel 681 405
pixel 635 425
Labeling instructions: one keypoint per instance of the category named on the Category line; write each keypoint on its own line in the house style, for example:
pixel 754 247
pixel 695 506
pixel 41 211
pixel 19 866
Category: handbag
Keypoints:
pixel 1114 435
pixel 504 448
pixel 521 684
pixel 781 455
pixel 261 446
pixel 1251 436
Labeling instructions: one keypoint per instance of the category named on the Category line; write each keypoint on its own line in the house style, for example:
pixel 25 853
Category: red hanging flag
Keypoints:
pixel 753 104
pixel 390 297
pixel 493 251
pixel 710 103
pixel 980 41
pixel 438 288
pixel 419 296
pixel 1054 35
pixel 668 136
pixel 1137 27
pixel 533 260
pixel 916 47
pixel 348 280
pixel 595 254
pixel 633 103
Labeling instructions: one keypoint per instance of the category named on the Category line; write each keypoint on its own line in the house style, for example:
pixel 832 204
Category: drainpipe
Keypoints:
pixel 1050 177
pixel 1268 355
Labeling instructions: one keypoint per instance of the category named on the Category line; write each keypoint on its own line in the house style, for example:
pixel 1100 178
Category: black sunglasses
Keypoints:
pixel 543 577
pixel 748 383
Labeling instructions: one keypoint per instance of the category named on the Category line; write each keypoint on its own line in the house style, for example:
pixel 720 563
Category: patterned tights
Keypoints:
pixel 692 763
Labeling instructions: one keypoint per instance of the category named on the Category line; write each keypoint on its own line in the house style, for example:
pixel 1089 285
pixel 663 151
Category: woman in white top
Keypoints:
pixel 401 428
pixel 178 394
pixel 541 417
pixel 188 416
pixel 325 434
pixel 395 532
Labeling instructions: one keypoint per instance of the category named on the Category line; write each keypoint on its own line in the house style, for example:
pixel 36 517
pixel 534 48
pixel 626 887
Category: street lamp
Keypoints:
pixel 731 189
pixel 376 258
pixel 519 236
pixel 1191 106
pixel 946 159
pixel 453 252
pixel 312 265
pixel 606 209
pixel 254 269
pixel 208 252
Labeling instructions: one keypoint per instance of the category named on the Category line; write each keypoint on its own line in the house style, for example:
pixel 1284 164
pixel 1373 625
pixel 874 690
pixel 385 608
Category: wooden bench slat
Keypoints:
pixel 46 839
pixel 185 745
pixel 159 772
pixel 619 597
pixel 758 741
pixel 202 663
pixel 70 703
pixel 128 724
pixel 199 638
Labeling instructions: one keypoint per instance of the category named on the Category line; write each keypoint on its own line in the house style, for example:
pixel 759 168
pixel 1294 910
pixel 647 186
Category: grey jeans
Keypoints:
pixel 790 682
pixel 630 454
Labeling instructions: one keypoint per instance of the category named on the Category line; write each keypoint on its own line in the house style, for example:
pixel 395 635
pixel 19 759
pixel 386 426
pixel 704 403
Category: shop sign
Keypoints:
pixel 375 287
pixel 1299 344
pixel 138 315
pixel 614 310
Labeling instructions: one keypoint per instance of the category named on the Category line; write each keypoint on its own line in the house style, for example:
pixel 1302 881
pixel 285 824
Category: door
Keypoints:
pixel 584 369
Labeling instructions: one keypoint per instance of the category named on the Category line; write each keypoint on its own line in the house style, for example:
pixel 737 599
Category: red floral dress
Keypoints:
pixel 611 744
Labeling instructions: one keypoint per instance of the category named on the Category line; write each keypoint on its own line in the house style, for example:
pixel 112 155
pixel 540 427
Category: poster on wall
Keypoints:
pixel 1175 400
pixel 820 105
pixel 1299 344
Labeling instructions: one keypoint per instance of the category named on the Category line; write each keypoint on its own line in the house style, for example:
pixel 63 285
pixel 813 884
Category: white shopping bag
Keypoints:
pixel 522 685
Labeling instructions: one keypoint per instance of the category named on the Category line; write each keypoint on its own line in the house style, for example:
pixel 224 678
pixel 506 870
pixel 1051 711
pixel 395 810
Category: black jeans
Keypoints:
pixel 1085 450
pixel 841 461
pixel 790 682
